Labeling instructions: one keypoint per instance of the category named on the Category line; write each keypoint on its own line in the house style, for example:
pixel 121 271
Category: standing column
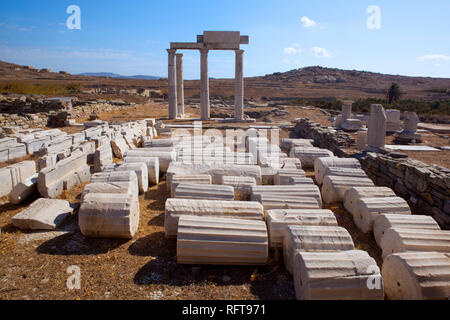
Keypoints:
pixel 172 75
pixel 239 86
pixel 204 89
pixel 180 85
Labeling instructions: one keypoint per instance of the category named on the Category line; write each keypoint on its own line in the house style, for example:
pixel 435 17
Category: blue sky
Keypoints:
pixel 130 37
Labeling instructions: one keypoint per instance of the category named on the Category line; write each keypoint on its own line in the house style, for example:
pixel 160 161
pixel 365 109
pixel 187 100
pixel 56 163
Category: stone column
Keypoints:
pixel 346 110
pixel 180 85
pixel 376 133
pixel 172 75
pixel 204 87
pixel 239 86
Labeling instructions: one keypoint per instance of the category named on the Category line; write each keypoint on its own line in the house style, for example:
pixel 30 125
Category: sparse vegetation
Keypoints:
pixel 46 89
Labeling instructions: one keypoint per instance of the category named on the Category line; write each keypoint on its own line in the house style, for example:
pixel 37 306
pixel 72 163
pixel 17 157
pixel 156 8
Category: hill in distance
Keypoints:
pixel 118 76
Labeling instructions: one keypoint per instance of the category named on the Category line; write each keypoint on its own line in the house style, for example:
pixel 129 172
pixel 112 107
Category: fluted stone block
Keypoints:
pixel 221 241
pixel 117 176
pixel 195 179
pixel 367 209
pixel 307 156
pixel 345 275
pixel 417 276
pixel 287 191
pixel 352 196
pixel 141 170
pixel 165 157
pixel 152 166
pixel 204 192
pixel 43 214
pixel 176 208
pixel 283 175
pixel 103 156
pixel 300 181
pixel 314 239
pixel 322 164
pixel 242 186
pixel 402 240
pixel 109 215
pixel 334 187
pixel 279 219
pixel 401 221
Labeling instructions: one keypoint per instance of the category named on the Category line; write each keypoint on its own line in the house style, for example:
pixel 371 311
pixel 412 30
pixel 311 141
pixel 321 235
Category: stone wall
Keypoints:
pixel 339 143
pixel 426 188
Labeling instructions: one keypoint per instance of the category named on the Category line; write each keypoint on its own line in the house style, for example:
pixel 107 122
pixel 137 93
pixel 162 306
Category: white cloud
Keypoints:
pixel 320 52
pixel 441 57
pixel 293 49
pixel 307 22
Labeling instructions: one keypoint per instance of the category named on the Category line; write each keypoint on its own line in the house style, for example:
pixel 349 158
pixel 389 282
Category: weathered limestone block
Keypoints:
pixel 47 161
pixel 283 175
pixel 279 219
pixel 367 209
pixel 290 163
pixel 196 179
pixel 289 191
pixel 352 196
pixel 288 143
pixel 63 144
pixel 376 133
pixel 402 240
pixel 351 125
pixel 4 155
pixel 23 190
pixel 241 186
pixel 267 175
pixel 109 215
pixel 165 157
pixel 204 191
pixel 313 239
pixel 217 171
pixel 103 156
pixel 117 176
pixel 334 187
pixel 344 275
pixel 119 147
pixel 152 166
pixel 272 201
pixel 141 170
pixel 175 208
pixel 417 276
pixel 66 174
pixel 223 241
pixel 307 156
pixel 17 150
pixel 346 172
pixel 301 181
pixel 43 214
pixel 12 175
pixel 34 145
pixel 110 187
pixel 385 221
pixel 322 164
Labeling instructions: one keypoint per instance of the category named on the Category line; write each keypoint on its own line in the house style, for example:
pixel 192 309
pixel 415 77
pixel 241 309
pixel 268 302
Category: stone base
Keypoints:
pixel 406 137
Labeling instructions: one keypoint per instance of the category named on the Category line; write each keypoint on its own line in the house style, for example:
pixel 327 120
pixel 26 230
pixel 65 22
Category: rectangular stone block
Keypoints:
pixel 14 174
pixel 241 186
pixel 195 179
pixel 165 157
